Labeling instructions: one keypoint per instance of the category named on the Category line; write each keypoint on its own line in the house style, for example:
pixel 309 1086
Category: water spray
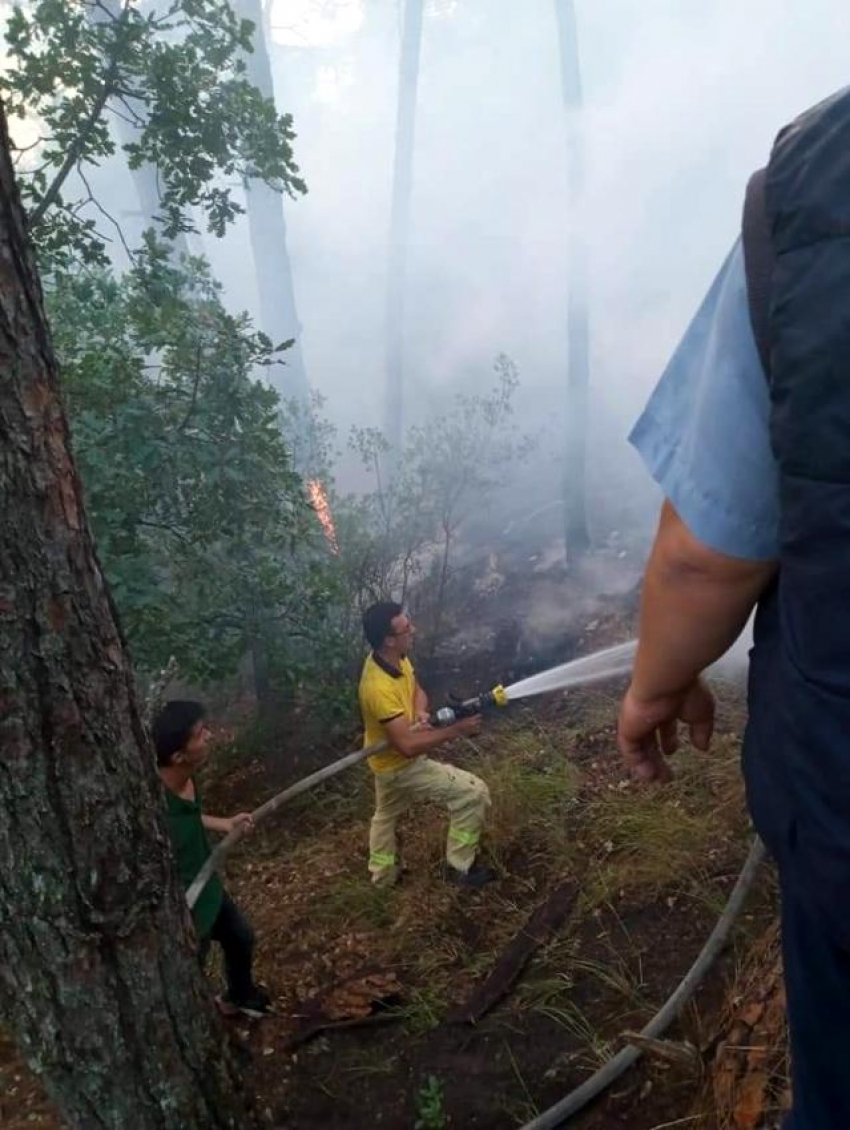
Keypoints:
pixel 596 668
pixel 581 672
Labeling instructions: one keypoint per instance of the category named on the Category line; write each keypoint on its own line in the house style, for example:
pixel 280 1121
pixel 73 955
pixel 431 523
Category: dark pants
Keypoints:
pixel 817 982
pixel 233 933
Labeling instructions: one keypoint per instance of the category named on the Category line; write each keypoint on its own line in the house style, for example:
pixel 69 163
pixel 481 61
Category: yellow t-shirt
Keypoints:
pixel 384 696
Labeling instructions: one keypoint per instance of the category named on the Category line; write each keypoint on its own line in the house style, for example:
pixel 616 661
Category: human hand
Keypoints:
pixel 241 820
pixel 423 720
pixel 468 727
pixel 647 729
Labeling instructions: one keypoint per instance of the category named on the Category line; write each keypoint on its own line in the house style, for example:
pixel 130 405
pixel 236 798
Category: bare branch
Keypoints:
pixel 75 151
pixel 165 528
pixel 135 121
pixel 93 200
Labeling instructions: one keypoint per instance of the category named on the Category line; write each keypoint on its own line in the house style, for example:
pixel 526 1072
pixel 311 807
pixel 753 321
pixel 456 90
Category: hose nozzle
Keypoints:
pixel 469 707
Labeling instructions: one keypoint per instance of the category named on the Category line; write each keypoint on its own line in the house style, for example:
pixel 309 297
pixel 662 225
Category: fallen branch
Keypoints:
pixel 305 1034
pixel 546 920
pixel 671 1051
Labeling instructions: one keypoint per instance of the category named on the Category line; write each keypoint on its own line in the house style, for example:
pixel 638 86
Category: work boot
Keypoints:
pixel 478 876
pixel 256 1004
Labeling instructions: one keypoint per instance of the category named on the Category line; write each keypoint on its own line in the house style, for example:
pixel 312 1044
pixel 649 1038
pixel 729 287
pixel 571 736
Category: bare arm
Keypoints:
pixel 420 705
pixel 412 742
pixel 225 824
pixel 694 604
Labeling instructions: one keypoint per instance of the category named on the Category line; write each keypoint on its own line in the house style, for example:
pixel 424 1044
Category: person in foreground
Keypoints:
pixel 395 709
pixel 181 738
pixel 748 434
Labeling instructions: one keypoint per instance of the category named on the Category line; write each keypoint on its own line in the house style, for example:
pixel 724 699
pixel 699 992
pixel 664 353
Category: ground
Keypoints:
pixel 643 874
pixel 650 868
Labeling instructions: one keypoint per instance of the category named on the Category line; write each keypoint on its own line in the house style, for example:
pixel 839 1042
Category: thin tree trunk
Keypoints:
pixel 578 362
pixel 441 592
pixel 408 83
pixel 267 227
pixel 99 982
pixel 262 673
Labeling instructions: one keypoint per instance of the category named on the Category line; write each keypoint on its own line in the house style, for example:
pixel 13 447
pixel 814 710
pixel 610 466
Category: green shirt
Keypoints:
pixel 192 849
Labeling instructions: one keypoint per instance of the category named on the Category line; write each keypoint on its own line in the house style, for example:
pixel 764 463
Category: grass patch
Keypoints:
pixel 657 838
pixel 534 786
pixel 423 1011
pixel 596 1049
pixel 352 902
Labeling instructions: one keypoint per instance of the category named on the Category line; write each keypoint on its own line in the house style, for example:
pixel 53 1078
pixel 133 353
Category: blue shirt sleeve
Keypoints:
pixel 704 434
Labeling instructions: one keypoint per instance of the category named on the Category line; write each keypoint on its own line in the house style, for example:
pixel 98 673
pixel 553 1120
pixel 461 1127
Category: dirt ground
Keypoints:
pixel 650 874
pixel 366 983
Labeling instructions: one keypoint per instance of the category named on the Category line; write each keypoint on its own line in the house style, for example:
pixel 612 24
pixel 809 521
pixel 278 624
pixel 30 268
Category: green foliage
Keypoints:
pixel 202 524
pixel 430 1106
pixel 389 527
pixel 397 539
pixel 189 464
pixel 461 456
pixel 175 75
pixel 449 466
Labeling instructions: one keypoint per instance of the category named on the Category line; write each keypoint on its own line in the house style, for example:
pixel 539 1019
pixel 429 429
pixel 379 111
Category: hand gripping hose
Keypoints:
pixel 558 1114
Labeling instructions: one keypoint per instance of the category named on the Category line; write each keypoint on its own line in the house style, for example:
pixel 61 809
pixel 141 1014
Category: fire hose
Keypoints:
pixel 446 716
pixel 601 1080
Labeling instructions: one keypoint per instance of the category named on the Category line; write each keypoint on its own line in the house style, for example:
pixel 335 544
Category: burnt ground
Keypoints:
pixel 650 870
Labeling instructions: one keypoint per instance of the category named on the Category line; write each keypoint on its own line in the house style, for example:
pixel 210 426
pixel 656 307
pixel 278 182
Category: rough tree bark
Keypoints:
pixel 267 227
pixel 408 84
pixel 99 983
pixel 578 363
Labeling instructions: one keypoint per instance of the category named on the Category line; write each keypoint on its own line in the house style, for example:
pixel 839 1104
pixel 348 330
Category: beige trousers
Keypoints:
pixel 464 795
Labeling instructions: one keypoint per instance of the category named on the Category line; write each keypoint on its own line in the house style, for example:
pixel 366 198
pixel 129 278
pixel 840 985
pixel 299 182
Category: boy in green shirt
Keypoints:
pixel 181 737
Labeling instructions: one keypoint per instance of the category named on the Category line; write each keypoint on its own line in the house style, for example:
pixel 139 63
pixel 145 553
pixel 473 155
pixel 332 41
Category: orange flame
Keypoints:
pixel 319 499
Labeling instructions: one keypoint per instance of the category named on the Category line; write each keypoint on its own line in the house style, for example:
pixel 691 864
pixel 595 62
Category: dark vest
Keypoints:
pixel 797 746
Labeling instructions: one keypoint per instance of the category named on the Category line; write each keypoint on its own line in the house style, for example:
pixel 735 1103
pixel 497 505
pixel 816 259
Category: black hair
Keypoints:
pixel 378 621
pixel 173 727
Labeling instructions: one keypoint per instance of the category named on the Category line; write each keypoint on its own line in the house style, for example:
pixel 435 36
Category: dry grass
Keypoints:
pixel 653 839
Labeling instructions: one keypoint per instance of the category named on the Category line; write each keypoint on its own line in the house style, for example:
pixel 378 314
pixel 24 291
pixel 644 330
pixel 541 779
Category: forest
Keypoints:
pixel 308 305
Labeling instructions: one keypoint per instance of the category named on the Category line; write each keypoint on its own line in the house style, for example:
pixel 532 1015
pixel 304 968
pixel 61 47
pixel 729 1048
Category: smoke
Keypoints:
pixel 682 102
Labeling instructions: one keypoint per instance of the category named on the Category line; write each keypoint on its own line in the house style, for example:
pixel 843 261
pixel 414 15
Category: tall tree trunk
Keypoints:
pixel 267 227
pixel 408 83
pixel 578 363
pixel 99 982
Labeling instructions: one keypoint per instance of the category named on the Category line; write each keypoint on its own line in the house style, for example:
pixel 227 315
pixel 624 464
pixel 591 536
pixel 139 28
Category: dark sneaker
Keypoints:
pixel 257 1004
pixel 476 877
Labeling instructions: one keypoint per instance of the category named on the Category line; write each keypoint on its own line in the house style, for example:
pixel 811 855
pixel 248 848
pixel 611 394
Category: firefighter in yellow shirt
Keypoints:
pixel 395 708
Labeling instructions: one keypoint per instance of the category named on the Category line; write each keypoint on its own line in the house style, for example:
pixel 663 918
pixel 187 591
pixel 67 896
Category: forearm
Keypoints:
pixel 694 604
pixel 413 742
pixel 215 823
pixel 420 701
